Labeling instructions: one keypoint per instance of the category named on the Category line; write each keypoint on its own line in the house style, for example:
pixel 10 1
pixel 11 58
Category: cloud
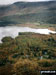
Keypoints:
pixel 12 1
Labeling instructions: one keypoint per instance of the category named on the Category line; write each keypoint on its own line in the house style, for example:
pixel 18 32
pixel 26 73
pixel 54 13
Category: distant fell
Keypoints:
pixel 28 12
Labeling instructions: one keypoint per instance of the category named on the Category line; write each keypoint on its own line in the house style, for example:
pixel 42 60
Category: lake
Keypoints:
pixel 13 31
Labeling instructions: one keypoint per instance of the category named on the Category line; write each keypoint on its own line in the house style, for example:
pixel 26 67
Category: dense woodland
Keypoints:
pixel 27 54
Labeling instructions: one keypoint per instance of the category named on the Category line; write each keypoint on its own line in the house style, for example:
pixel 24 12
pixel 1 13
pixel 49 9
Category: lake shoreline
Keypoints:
pixel 13 31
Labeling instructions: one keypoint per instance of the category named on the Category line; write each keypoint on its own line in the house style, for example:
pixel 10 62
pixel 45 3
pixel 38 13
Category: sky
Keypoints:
pixel 4 2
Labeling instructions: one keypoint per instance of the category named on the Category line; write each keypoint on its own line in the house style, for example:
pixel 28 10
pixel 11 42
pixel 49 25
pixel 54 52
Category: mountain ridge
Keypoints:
pixel 24 12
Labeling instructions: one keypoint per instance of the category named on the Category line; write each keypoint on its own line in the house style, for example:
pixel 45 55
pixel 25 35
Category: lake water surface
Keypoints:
pixel 13 31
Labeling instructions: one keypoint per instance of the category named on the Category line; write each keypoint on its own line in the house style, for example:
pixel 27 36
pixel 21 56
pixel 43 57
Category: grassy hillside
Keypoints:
pixel 28 12
pixel 27 55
